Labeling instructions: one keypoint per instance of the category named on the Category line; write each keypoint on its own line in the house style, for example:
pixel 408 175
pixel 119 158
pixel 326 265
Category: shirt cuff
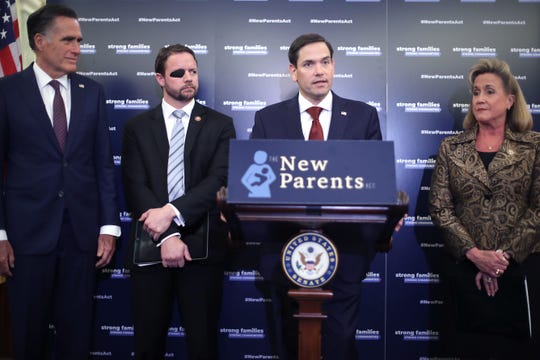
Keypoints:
pixel 178 219
pixel 167 238
pixel 113 230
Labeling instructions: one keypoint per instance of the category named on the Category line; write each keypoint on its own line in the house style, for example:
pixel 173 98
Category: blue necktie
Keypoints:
pixel 175 167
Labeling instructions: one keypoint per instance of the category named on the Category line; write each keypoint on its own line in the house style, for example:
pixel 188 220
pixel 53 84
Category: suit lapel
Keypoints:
pixel 29 91
pixel 159 135
pixel 467 158
pixel 196 122
pixel 514 149
pixel 76 117
pixel 340 117
pixel 474 165
pixel 291 121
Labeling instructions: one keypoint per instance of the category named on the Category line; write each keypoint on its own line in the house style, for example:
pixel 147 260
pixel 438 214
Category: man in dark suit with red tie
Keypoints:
pixel 318 114
pixel 58 210
pixel 175 201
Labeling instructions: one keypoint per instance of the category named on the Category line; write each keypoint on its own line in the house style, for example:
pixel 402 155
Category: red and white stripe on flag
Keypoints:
pixel 10 55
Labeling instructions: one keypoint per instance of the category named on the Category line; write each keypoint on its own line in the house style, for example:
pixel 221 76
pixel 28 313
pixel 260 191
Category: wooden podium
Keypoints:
pixel 313 218
pixel 313 184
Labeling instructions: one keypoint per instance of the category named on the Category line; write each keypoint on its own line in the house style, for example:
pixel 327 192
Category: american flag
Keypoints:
pixel 10 56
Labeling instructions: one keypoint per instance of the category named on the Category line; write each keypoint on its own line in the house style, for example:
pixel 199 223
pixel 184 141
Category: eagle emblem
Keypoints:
pixel 309 259
pixel 308 262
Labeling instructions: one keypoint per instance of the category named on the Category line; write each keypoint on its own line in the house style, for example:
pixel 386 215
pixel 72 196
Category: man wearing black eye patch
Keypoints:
pixel 174 161
pixel 178 73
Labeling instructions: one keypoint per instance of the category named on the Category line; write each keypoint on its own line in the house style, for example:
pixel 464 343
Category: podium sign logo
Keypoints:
pixel 298 172
pixel 309 260
pixel 259 176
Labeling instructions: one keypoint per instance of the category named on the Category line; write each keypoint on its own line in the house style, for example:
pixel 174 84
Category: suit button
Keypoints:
pixel 61 194
pixel 65 163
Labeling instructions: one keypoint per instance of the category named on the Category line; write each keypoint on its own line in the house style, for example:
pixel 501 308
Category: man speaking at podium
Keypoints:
pixel 318 114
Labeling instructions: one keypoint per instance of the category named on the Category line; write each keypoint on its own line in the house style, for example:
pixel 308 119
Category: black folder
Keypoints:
pixel 145 251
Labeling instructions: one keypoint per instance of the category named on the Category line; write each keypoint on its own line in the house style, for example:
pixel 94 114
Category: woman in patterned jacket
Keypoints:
pixel 485 197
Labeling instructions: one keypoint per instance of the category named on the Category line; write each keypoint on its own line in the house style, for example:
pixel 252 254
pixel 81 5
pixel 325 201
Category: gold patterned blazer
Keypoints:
pixel 497 208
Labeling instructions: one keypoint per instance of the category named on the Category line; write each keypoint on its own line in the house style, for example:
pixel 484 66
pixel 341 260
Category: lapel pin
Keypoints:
pixel 343 113
pixel 81 86
pixel 198 118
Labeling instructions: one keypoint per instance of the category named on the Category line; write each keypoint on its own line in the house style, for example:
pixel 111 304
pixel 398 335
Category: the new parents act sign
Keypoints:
pixel 347 172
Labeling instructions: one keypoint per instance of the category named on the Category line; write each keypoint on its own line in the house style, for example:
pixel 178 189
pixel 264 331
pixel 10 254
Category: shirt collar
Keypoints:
pixel 304 103
pixel 169 109
pixel 43 78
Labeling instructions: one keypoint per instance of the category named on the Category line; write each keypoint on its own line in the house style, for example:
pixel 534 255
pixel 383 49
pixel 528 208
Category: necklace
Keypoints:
pixel 490 142
pixel 490 148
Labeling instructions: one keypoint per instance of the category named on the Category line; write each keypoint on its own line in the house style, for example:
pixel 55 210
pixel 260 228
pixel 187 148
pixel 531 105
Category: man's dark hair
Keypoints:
pixel 40 21
pixel 165 52
pixel 304 40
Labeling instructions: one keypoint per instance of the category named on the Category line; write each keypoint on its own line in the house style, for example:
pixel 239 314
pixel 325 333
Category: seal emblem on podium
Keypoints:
pixel 309 259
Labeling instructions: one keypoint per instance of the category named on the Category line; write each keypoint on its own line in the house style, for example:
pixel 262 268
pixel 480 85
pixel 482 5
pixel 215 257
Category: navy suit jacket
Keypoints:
pixel 38 181
pixel 351 120
pixel 145 152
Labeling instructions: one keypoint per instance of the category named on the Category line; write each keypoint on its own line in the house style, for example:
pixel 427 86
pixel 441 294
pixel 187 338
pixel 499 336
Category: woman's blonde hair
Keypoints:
pixel 518 118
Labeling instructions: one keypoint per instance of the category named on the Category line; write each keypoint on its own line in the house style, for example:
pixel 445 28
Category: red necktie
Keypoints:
pixel 59 115
pixel 316 132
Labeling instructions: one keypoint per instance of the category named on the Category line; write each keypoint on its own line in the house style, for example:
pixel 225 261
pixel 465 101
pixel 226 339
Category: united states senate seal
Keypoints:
pixel 309 260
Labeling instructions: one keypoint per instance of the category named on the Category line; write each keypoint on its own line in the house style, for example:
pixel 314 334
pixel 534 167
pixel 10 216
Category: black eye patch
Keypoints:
pixel 178 73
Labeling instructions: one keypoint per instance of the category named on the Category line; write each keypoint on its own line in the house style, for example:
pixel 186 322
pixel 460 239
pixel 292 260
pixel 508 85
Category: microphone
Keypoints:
pixel 178 73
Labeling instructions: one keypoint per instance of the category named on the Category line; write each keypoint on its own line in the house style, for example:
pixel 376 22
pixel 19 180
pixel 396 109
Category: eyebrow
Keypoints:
pixel 70 38
pixel 314 60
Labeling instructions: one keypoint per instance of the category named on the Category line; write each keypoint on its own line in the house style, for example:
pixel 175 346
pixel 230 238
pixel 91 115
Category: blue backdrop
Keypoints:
pixel 407 58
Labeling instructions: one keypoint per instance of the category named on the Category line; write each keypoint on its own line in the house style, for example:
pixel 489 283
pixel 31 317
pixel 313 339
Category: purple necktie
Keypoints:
pixel 59 115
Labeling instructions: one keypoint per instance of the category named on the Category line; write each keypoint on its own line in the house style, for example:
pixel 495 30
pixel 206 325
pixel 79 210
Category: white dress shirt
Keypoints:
pixel 324 117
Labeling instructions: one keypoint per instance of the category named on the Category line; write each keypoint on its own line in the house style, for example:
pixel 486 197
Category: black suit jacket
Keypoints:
pixel 145 150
